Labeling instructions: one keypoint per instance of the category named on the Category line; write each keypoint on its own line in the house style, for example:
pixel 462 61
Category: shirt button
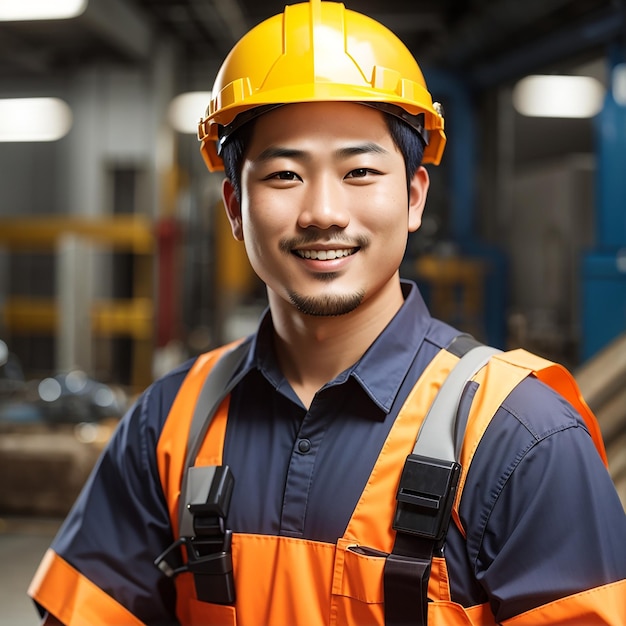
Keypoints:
pixel 304 445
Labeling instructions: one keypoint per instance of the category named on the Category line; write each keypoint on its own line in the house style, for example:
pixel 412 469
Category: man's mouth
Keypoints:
pixel 325 255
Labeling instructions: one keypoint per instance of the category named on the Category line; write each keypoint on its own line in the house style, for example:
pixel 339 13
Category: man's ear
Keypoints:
pixel 233 209
pixel 418 190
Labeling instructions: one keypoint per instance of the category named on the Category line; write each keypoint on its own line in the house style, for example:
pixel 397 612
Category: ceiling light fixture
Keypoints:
pixel 34 119
pixel 21 10
pixel 558 96
pixel 186 110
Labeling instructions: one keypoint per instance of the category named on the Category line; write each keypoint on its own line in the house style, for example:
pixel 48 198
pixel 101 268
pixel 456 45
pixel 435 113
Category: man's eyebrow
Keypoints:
pixel 277 152
pixel 364 148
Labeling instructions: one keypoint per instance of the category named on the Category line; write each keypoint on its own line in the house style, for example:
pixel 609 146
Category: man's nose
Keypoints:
pixel 324 205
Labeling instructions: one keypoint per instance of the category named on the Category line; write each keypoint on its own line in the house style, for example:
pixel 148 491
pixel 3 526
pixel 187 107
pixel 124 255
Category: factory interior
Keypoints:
pixel 117 262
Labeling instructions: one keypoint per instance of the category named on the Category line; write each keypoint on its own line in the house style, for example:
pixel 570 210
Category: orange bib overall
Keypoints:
pixel 283 581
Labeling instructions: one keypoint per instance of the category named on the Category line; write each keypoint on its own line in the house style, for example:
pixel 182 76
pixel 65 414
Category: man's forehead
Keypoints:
pixel 349 120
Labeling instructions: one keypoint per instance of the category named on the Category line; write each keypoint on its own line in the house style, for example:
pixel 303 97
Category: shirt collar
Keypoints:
pixel 383 367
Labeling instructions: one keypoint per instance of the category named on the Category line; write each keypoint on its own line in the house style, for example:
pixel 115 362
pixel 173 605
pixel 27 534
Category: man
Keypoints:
pixel 321 120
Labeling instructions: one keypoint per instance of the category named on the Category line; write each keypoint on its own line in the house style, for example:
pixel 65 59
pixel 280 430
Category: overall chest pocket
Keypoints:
pixel 357 590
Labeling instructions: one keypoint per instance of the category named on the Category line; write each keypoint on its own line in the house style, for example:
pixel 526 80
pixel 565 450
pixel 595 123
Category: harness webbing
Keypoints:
pixel 407 568
pixel 216 387
pixel 437 436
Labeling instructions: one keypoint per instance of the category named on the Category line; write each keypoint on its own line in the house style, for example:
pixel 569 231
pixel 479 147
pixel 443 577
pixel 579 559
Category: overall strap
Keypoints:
pixel 218 384
pixel 205 491
pixel 426 492
pixel 172 448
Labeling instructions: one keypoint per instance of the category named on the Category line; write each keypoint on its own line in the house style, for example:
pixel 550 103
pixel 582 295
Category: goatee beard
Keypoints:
pixel 327 305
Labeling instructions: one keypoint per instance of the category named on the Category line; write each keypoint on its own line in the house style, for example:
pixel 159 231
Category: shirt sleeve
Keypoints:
pixel 548 522
pixel 120 523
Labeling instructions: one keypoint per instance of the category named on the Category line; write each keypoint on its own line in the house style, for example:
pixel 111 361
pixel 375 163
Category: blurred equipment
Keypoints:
pixel 602 381
pixel 83 315
pixel 43 468
pixel 51 434
pixel 74 397
pixel 11 375
pixel 454 288
pixel 604 267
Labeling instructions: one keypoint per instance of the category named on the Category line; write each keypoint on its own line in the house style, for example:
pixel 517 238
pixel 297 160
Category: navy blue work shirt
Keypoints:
pixel 542 516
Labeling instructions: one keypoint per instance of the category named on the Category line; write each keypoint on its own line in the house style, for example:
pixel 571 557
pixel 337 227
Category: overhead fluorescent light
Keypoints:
pixel 187 109
pixel 20 10
pixel 34 119
pixel 558 96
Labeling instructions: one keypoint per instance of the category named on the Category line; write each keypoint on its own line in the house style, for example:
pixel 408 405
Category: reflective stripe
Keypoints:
pixel 600 606
pixel 74 599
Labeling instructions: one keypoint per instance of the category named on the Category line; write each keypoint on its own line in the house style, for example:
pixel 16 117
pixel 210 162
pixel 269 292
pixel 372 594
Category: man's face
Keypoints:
pixel 325 213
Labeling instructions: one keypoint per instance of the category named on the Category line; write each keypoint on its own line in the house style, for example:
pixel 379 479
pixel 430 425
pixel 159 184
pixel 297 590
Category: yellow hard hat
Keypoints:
pixel 318 52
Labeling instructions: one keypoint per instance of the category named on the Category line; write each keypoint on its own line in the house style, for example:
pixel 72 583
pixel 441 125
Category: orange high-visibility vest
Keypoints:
pixel 287 581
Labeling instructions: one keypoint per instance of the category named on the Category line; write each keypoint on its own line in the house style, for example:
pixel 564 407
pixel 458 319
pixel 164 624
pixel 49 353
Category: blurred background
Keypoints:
pixel 117 263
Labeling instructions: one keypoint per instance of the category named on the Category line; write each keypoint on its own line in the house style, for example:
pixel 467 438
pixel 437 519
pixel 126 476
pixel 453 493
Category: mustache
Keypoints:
pixel 309 238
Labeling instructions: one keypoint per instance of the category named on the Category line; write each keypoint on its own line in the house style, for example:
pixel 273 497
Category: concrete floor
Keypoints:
pixel 22 544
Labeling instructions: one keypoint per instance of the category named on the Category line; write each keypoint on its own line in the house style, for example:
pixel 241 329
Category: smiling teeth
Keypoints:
pixel 324 255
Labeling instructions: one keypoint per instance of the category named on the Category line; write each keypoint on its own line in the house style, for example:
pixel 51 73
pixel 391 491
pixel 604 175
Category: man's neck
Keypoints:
pixel 313 350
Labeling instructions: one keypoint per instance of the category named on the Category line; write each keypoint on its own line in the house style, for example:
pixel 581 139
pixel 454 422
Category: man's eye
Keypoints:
pixel 360 172
pixel 287 175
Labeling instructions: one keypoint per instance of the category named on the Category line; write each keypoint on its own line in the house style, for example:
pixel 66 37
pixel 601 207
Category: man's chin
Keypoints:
pixel 327 305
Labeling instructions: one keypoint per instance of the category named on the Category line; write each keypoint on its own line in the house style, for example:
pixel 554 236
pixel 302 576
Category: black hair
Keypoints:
pixel 405 138
pixel 408 141
pixel 233 152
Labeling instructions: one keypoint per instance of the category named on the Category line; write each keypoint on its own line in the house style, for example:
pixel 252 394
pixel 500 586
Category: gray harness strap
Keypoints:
pixel 427 489
pixel 218 384
pixel 438 433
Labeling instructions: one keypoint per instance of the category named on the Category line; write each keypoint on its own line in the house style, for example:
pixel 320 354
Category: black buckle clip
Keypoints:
pixel 212 572
pixel 425 496
pixel 207 542
pixel 209 489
